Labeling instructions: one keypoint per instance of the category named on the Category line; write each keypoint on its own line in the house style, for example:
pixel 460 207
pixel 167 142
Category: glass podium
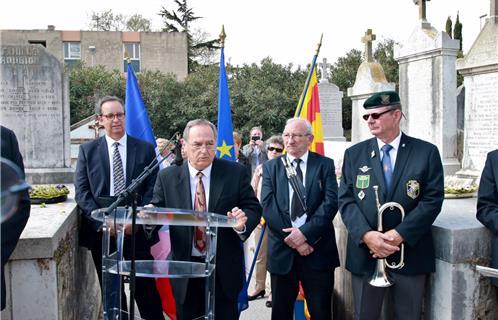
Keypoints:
pixel 114 266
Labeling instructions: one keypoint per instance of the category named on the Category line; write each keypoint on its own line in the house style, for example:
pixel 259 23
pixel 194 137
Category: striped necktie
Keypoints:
pixel 117 170
pixel 200 205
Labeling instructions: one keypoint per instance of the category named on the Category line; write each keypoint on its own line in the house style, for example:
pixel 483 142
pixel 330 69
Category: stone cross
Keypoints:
pixel 96 126
pixel 324 67
pixel 367 40
pixel 421 9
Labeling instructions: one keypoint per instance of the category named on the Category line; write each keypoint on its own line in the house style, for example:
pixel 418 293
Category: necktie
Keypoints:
pixel 296 207
pixel 200 205
pixel 117 170
pixel 386 166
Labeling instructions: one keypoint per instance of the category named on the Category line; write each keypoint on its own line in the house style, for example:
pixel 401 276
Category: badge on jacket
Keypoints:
pixel 412 189
pixel 362 181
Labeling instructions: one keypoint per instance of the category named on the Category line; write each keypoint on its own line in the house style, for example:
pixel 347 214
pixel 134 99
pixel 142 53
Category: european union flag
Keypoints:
pixel 224 144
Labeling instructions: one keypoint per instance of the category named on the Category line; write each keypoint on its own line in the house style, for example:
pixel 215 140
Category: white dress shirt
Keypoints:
pixel 301 220
pixel 122 152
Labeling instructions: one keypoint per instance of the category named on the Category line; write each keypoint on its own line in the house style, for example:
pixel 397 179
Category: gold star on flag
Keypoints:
pixel 224 150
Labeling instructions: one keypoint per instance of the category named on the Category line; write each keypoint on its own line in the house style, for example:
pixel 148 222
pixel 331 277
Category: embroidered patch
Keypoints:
pixel 364 169
pixel 412 189
pixel 362 181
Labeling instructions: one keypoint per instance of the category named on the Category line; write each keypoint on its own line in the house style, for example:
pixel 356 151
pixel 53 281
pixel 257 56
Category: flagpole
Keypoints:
pixel 303 96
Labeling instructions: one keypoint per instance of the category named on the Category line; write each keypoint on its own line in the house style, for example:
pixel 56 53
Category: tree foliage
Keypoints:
pixel 448 27
pixel 457 31
pixel 179 21
pixel 107 20
pixel 263 95
pixel 343 74
pixel 384 54
pixel 137 22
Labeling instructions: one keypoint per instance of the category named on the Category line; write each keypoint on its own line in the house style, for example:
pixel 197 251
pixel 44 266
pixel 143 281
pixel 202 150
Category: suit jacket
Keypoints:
pixel 417 184
pixel 321 200
pixel 229 187
pixel 13 227
pixel 487 204
pixel 92 181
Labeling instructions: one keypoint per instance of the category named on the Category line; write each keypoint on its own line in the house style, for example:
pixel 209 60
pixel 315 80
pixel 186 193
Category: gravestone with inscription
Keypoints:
pixel 330 106
pixel 35 105
pixel 427 88
pixel 479 68
pixel 370 78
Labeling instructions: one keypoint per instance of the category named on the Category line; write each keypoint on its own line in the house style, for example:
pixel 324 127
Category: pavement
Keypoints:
pixel 257 310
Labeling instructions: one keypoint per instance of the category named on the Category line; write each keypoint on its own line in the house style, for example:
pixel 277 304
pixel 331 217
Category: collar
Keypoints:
pixel 304 158
pixel 121 141
pixel 395 143
pixel 193 171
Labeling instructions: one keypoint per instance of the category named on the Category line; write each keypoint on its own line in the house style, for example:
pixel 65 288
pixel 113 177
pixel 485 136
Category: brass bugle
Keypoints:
pixel 380 278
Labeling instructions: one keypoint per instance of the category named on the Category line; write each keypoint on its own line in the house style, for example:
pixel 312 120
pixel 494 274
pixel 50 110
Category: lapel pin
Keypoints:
pixel 372 154
pixel 403 145
pixel 361 195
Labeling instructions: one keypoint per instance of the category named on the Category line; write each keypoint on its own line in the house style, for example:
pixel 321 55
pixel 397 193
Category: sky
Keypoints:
pixel 288 31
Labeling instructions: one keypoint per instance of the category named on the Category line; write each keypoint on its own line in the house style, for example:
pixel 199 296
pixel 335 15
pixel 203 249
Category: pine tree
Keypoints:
pixel 457 31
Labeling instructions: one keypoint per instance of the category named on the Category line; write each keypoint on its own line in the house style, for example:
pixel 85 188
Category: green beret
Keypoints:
pixel 382 99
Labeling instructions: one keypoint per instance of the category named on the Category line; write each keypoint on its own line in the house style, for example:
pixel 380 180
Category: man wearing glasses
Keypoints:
pixel 105 167
pixel 301 239
pixel 405 170
pixel 204 183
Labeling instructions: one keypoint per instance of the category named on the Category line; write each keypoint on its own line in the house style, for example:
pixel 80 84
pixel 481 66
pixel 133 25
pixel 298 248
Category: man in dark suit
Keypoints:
pixel 105 166
pixel 13 227
pixel 301 245
pixel 407 171
pixel 487 206
pixel 226 190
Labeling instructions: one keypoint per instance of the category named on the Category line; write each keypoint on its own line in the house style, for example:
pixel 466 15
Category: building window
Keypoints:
pixel 131 50
pixel 72 54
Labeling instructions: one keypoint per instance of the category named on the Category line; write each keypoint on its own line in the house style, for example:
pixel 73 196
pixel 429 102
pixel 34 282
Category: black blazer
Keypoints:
pixel 13 227
pixel 229 187
pixel 487 204
pixel 92 181
pixel 417 184
pixel 321 200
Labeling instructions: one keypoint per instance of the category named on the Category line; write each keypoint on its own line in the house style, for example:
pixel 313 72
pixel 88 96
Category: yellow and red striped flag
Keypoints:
pixel 309 109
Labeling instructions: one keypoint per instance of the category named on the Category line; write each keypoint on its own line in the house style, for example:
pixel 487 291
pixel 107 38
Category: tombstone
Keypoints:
pixel 370 78
pixel 35 105
pixel 479 68
pixel 427 88
pixel 330 106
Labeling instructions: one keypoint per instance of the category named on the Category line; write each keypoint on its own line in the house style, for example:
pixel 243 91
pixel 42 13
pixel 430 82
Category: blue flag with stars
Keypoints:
pixel 224 144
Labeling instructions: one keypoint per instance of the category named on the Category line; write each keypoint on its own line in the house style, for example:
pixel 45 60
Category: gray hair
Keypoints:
pixel 198 122
pixel 256 128
pixel 275 140
pixel 309 130
pixel 98 106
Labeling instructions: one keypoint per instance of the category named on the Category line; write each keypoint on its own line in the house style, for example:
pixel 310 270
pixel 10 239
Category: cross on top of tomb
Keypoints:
pixel 324 67
pixel 367 40
pixel 421 9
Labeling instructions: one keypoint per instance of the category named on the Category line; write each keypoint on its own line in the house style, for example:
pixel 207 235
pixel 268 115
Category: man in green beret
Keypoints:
pixel 390 167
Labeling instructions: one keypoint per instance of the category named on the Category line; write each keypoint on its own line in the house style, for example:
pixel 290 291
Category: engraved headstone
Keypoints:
pixel 479 68
pixel 35 105
pixel 331 111
pixel 427 89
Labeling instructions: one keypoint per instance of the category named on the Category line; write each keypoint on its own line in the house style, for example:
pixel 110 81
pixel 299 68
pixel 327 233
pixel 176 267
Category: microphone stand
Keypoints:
pixel 125 194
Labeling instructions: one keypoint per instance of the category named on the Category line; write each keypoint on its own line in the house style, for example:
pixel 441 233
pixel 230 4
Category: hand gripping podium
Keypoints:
pixel 114 266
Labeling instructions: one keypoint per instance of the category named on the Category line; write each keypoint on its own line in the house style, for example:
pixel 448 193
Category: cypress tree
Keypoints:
pixel 449 24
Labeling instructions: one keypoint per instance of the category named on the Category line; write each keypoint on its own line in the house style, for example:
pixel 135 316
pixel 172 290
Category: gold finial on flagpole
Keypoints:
pixel 319 45
pixel 222 36
pixel 127 56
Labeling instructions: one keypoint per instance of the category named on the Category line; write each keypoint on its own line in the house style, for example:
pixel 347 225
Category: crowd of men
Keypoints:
pixel 294 195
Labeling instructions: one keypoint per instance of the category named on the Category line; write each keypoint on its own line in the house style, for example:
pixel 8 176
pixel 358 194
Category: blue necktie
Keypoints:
pixel 386 166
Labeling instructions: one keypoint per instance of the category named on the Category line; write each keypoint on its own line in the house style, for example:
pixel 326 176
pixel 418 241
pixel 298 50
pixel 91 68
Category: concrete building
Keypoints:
pixel 162 51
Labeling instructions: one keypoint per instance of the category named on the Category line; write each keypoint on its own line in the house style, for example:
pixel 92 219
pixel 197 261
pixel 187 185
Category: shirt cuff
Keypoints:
pixel 240 232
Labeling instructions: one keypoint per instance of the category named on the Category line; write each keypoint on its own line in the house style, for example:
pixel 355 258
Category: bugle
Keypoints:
pixel 380 278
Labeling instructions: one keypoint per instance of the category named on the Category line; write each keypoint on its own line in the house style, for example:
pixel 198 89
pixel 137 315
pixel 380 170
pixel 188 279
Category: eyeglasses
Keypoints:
pixel 111 116
pixel 279 150
pixel 198 146
pixel 295 136
pixel 375 116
